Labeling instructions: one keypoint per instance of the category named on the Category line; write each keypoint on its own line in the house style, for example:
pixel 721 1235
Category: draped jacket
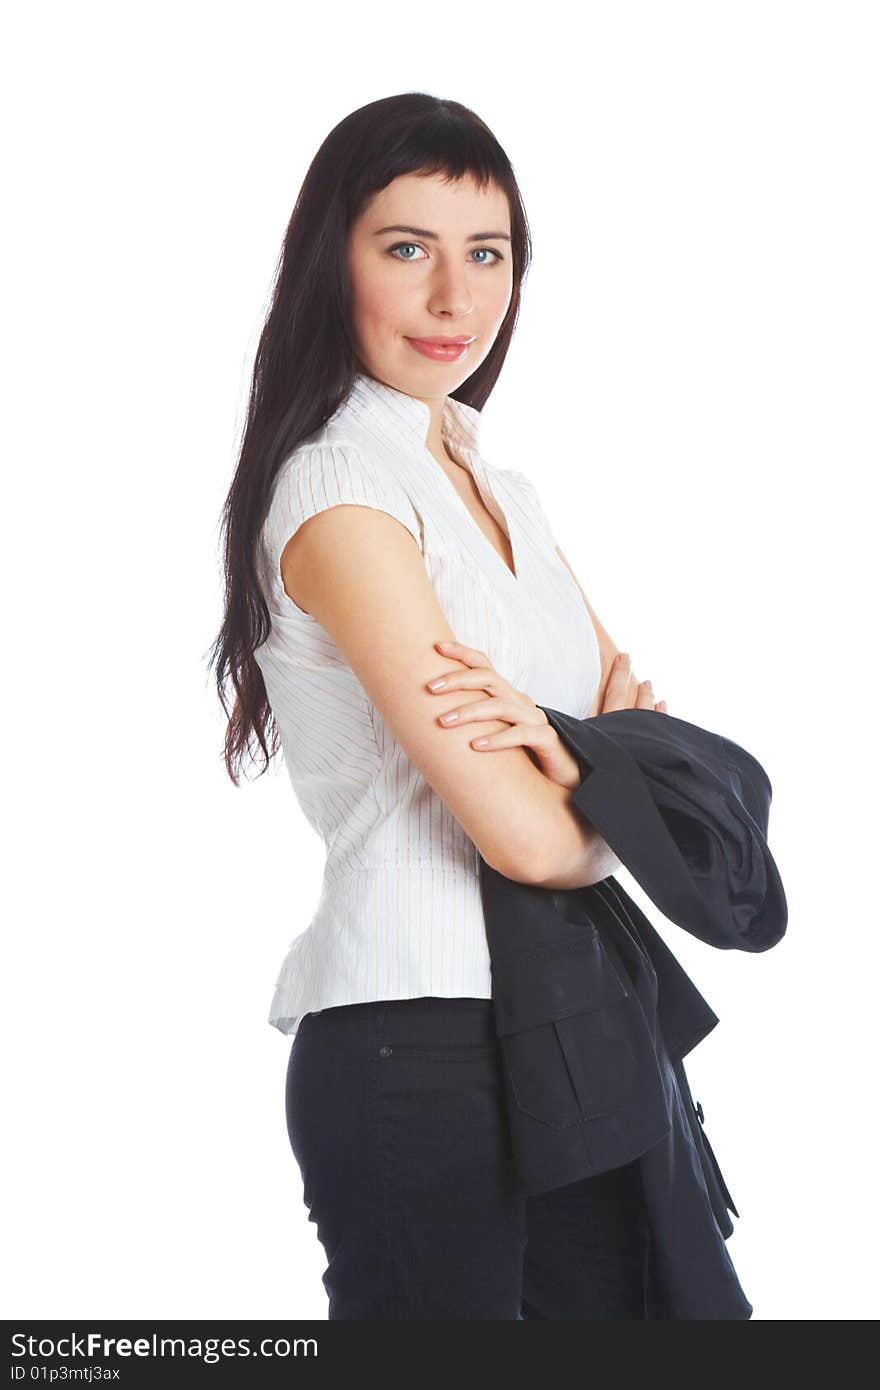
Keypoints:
pixel 593 1012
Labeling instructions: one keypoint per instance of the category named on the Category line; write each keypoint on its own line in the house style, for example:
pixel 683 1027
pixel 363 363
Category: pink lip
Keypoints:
pixel 442 349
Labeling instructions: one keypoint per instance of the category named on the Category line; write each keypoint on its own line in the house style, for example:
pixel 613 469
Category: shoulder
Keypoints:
pixel 520 493
pixel 319 476
pixel 516 484
pixel 515 477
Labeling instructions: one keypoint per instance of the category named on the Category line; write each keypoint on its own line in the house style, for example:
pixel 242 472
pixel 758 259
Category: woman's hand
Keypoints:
pixel 529 725
pixel 616 691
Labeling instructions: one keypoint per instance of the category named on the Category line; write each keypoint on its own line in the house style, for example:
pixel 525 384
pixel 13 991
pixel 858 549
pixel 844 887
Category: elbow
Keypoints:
pixel 520 865
pixel 590 863
pixel 525 865
pixel 544 851
pixel 545 871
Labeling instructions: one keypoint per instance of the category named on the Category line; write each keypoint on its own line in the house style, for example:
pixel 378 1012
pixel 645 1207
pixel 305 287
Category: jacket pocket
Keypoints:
pixel 565 1019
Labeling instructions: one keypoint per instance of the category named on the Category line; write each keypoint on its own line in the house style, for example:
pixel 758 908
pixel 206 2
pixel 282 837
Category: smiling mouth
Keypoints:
pixel 440 351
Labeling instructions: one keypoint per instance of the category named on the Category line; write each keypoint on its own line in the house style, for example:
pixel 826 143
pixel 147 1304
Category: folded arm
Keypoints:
pixel 358 572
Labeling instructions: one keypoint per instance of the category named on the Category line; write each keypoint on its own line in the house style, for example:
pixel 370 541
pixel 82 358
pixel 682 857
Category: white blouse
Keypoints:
pixel 400 914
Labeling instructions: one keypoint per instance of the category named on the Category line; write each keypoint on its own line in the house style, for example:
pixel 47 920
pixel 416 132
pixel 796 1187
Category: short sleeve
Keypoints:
pixel 312 480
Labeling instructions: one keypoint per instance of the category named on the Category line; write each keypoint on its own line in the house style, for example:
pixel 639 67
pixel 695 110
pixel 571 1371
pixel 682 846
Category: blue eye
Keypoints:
pixel 401 245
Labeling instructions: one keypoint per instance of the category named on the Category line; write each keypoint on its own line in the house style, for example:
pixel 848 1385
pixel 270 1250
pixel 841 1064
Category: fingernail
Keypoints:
pixel 444 643
pixel 437 685
pixel 480 742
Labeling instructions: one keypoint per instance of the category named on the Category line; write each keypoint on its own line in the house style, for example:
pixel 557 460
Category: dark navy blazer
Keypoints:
pixel 593 1012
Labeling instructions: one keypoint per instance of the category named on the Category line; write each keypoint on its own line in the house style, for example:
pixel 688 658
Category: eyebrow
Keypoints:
pixel 432 236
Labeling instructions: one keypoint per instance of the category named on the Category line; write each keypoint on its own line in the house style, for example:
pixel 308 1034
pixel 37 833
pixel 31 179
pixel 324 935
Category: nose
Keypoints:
pixel 451 294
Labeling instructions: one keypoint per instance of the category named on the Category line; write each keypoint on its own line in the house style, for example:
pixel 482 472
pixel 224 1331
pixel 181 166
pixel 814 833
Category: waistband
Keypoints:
pixel 426 1021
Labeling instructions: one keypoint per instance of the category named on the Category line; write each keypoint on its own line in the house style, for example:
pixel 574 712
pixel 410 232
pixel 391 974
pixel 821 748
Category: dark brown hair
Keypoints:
pixel 306 364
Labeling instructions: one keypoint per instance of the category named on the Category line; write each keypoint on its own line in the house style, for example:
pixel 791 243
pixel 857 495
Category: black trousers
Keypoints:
pixel 396 1116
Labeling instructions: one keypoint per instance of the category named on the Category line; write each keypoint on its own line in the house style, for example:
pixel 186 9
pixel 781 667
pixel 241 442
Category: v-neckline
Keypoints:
pixel 474 466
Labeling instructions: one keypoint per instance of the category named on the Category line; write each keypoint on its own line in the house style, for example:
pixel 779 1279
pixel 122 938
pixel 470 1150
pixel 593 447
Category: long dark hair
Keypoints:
pixel 306 364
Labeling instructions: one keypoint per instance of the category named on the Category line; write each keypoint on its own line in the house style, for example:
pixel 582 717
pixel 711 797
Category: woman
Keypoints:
pixel 371 552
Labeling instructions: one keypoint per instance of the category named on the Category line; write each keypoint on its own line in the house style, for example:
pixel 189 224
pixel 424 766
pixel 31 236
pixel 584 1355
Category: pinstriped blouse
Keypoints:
pixel 399 914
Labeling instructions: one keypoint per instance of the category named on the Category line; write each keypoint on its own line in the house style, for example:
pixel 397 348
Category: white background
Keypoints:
pixel 701 317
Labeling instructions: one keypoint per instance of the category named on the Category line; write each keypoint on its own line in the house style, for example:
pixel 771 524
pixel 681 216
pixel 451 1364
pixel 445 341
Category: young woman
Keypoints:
pixel 391 599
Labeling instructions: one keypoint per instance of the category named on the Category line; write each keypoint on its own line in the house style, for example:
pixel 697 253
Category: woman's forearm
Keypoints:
pixel 576 856
pixel 590 864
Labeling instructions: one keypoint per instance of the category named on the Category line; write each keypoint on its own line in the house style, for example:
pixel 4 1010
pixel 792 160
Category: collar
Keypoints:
pixel 460 423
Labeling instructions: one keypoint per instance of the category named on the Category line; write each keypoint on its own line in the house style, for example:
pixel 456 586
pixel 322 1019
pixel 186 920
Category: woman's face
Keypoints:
pixel 436 275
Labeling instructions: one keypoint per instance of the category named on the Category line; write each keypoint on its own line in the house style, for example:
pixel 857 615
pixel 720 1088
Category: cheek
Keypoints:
pixel 380 300
pixel 501 300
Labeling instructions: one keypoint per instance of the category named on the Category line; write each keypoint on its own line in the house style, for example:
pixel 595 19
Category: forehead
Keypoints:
pixel 435 201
